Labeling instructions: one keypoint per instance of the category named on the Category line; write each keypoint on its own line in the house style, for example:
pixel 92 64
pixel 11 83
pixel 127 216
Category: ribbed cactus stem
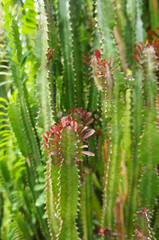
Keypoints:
pixel 52 191
pixel 68 201
pixel 86 205
pixel 42 83
pixel 103 72
pixel 136 130
pixel 150 137
pixel 106 23
pixel 68 185
pixel 65 145
pixel 67 50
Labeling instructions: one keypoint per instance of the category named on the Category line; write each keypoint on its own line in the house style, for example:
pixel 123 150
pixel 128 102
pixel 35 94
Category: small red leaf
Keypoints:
pixel 47 133
pixel 153 33
pixel 90 133
pixel 88 153
pixel 74 122
pixel 54 140
pixel 97 54
pixel 95 116
pixel 79 128
pixel 135 58
pixel 88 115
pixel 79 160
pixel 86 58
pixel 55 147
pixel 90 121
pixel 86 62
pixel 46 139
pixel 84 129
pixel 60 123
pixel 114 62
pixel 83 146
pixel 138 46
pixel 137 52
pixel 57 135
pixel 111 58
pixel 53 153
pixel 69 118
pixel 141 45
pixel 45 145
pixel 54 128
pixel 116 70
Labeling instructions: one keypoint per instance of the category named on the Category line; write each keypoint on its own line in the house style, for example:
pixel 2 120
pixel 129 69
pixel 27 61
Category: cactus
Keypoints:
pixel 142 224
pixel 79 114
pixel 65 146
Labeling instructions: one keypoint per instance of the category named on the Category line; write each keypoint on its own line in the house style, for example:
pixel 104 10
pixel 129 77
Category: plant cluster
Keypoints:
pixel 79 114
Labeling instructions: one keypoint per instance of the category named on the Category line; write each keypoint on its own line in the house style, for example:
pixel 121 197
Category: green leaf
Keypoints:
pixel 41 200
pixel 39 187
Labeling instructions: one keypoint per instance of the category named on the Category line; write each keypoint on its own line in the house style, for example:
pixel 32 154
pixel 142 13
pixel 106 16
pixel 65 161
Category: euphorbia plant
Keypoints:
pixel 65 144
pixel 79 142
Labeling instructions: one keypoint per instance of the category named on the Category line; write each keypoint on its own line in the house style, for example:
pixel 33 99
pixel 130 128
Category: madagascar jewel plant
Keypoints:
pixel 79 114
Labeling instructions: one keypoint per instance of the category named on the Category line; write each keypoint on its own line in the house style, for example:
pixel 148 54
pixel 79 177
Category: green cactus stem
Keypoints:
pixel 146 138
pixel 65 144
pixel 150 137
pixel 103 72
pixel 86 205
pixel 67 50
pixel 42 83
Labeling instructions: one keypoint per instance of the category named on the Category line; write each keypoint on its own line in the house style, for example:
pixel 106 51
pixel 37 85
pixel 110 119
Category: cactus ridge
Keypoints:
pixel 103 72
pixel 43 93
pixel 51 198
pixel 137 102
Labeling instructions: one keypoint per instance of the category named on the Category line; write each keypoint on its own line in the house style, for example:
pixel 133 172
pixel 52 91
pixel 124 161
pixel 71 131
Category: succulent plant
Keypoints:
pixel 79 114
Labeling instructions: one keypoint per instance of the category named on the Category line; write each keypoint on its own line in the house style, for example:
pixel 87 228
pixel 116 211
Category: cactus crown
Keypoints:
pixel 67 134
pixel 102 71
pixel 147 56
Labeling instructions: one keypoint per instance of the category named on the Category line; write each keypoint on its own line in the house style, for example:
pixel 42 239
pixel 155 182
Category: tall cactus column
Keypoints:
pixel 112 91
pixel 65 145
